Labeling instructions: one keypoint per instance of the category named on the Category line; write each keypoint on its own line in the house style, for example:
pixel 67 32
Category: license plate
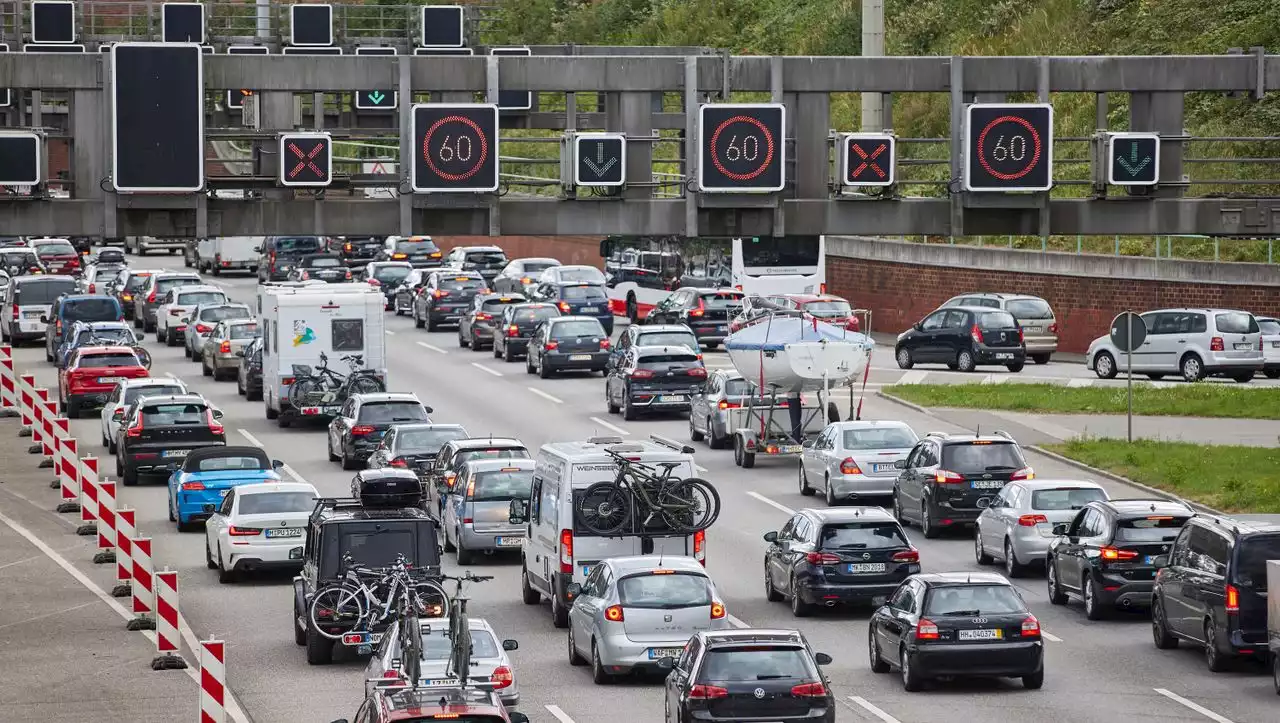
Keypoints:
pixel 659 653
pixel 363 640
pixel 862 567
pixel 881 467
pixel 987 484
pixel 589 310
pixel 36 315
pixel 223 493
pixel 791 449
pixel 175 453
pixel 285 532
pixel 1243 346
pixel 439 682
pixel 1275 345
pixel 579 357
pixel 671 398
pixel 507 541
pixel 107 380
pixel 996 634
pixel 1031 330
pixel 1004 355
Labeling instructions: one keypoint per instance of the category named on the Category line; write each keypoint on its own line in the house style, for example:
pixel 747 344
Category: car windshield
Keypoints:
pixel 324 262
pixel 179 413
pixel 502 485
pixel 983 456
pixel 1151 528
pixel 861 536
pixel 1269 326
pixel 163 285
pixel 573 329
pixel 828 308
pixel 104 309
pixel 1065 498
pixel 234 462
pixel 387 274
pixel 1236 322
pixel 755 662
pixel 996 320
pixel 197 298
pixel 136 281
pixel 426 441
pixel 1029 308
pixel 470 454
pixel 244 331
pixel 667 338
pixel 273 503
pixel 41 292
pixel 113 359
pixel 416 247
pixel 436 645
pixel 58 249
pixel 585 273
pixel 487 258
pixel 222 313
pixel 664 590
pixel 879 438
pixel 582 293
pixel 388 412
pixel 297 244
pixel 461 283
pixel 527 316
pixel 973 600
pixel 1251 560
pixel 722 300
pixel 133 394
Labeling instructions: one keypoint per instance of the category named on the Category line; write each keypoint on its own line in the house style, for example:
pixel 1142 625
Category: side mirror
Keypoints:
pixel 186 320
pixel 207 509
pixel 666 663
pixel 900 464
pixel 518 512
pixel 513 716
pixel 807 444
pixel 574 589
pixel 606 248
pixel 428 409
pixel 44 318
pixel 771 536
pixel 1160 562
pixel 917 326
pixel 822 659
pixel 277 464
pixel 240 353
pixel 510 645
pixel 1060 529
pixel 217 414
pixel 258 250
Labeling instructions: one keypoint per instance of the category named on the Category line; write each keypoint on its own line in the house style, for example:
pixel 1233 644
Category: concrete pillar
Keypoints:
pixel 1163 113
pixel 275 114
pixel 632 113
pixel 809 120
pixel 89 144
pixel 872 46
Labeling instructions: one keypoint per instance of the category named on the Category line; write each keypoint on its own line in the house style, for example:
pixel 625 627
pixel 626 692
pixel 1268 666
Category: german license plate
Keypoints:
pixel 791 449
pixel 579 357
pixel 881 467
pixel 36 315
pixel 361 639
pixel 1243 346
pixel 864 567
pixel 1275 345
pixel 1004 355
pixel 1031 330
pixel 987 484
pixel 995 634
pixel 671 398
pixel 173 453
pixel 285 532
pixel 107 380
pixel 660 653
pixel 507 541
pixel 223 493
pixel 589 310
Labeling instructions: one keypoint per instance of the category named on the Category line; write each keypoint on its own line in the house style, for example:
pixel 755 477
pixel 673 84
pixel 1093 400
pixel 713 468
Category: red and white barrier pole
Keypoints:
pixel 48 412
pixel 88 496
pixel 8 383
pixel 213 681
pixel 144 598
pixel 69 477
pixel 166 587
pixel 38 411
pixel 106 523
pixel 126 519
pixel 26 402
pixel 61 433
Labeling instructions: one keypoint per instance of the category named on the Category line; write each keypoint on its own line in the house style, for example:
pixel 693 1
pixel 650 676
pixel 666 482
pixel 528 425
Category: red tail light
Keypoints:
pixel 214 425
pixel 566 552
pixel 348 275
pixel 1031 627
pixel 848 466
pixel 1113 554
pixel 204 328
pixel 700 311
pixel 373 282
pixel 244 531
pixel 552 345
pixel 399 462
pixel 947 477
pixel 700 546
pixel 976 334
pixel 513 330
pixel 346 247
pixel 729 405
pixel 192 486
pixel 439 293
pixel 641 374
pixel 1032 520
pixel 1233 600
pixel 16 313
pixel 821 558
pixel 1021 336
pixel 696 372
pixel 564 307
pixel 482 316
pixel 718 611
pixel 224 347
pixel 1053 328
pixel 1216 344
pixel 151 298
pixel 361 429
pixel 136 430
pixel 1259 347
pixel 810 690
pixel 822 288
pixel 707 692
pixel 501 677
pixel 927 630
pixel 912 555
pixel 613 614
pixel 1024 473
pixel 605 344
pixel 93 288
pixel 287 381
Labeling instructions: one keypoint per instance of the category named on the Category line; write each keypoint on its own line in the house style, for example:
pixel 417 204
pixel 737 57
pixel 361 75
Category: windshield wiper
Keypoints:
pixel 850 546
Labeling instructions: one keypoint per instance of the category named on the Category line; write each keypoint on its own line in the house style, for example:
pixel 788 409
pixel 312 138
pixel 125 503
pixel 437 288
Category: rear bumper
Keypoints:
pixel 622 654
pixel 470 539
pixel 999 354
pixel 652 400
pixel 1012 659
pixel 445 316
pixel 517 344
pixel 1119 592
pixel 557 362
pixel 481 332
pixel 857 485
pixel 271 556
pixel 88 399
pixel 816 593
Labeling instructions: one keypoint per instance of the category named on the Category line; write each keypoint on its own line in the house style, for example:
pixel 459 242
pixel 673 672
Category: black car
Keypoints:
pixel 413 445
pixel 132 282
pixel 387 277
pixel 706 311
pixel 578 298
pixel 20 262
pixel 420 251
pixel 567 343
pixel 478 326
pixel 654 379
pixel 281 253
pixel 962 337
pixel 158 432
pixel 249 375
pixel 521 274
pixel 1106 555
pixel 956 624
pixel 948 479
pixel 373 536
pixel 488 261
pixel 837 555
pixel 359 425
pixel 324 267
pixel 748 674
pixel 1211 588
pixel 445 296
pixel 357 250
pixel 516 327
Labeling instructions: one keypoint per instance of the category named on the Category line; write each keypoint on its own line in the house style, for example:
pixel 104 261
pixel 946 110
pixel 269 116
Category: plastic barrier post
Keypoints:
pixel 144 598
pixel 38 395
pixel 88 496
pixel 166 587
pixel 48 411
pixel 106 523
pixel 70 477
pixel 213 681
pixel 61 433
pixel 8 383
pixel 125 521
pixel 26 402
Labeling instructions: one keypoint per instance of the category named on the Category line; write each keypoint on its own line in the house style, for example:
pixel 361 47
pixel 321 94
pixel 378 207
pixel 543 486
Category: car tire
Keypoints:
pixel 897 509
pixel 1104 365
pixel 613 408
pixel 575 658
pixel 694 434
pixel 1040 358
pixel 1270 374
pixel 528 595
pixel 73 408
pixel 1243 377
pixel 418 323
pixel 496 354
pixel 829 494
pixel 528 364
pixel 461 554
pixel 319 648
pixel 927 528
pixel 129 477
pixel 462 343
pixel 629 412
pixel 598 674
pixel 799 608
pixel 162 335
pixel 803 481
pixel 1035 681
pixel 770 592
pixel 911 682
pixel 1016 367
pixel 225 576
pixel 112 448
pixel 1155 377
pixel 1093 609
pixel 979 552
pixel 208 556
pixel 1191 367
pixel 1012 568
pixel 903 355
pixel 347 463
pixel 715 441
pixel 271 413
pixel 328 448
pixel 965 361
pixel 1160 635
pixel 169 508
pixel 106 443
pixel 873 652
pixel 431 324
pixel 544 372
pixel 205 370
pixel 559 613
pixel 507 356
pixel 1214 660
pixel 1056 594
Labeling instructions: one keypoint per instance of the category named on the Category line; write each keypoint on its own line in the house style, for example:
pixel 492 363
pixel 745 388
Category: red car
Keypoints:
pixel 91 375
pixel 472 705
pixel 58 256
pixel 828 307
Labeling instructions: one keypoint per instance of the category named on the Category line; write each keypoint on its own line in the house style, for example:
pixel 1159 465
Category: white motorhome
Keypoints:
pixel 557 548
pixel 299 323
pixel 232 253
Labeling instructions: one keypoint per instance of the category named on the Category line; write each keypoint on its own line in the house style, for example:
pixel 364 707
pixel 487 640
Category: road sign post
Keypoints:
pixel 376 99
pixel 1128 332
pixel 306 159
pixel 1133 159
pixel 742 147
pixel 443 26
pixel 21 156
pixel 157 120
pixel 455 148
pixel 599 159
pixel 6 94
pixel 1008 147
pixel 868 159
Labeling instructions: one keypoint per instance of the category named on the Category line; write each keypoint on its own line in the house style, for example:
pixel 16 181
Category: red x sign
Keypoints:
pixel 305 159
pixel 308 160
pixel 868 160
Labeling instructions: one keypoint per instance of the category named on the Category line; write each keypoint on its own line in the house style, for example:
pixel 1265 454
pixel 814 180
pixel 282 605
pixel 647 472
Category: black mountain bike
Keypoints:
pixel 321 386
pixel 460 628
pixel 643 494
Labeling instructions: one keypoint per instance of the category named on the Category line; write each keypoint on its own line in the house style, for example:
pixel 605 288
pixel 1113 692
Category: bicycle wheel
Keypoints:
pixel 430 599
pixel 338 604
pixel 301 390
pixel 604 508
pixel 461 654
pixel 365 384
pixel 689 505
pixel 411 648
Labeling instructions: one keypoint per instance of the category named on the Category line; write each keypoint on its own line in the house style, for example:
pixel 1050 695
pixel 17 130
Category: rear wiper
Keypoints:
pixel 998 467
pixel 773 677
pixel 405 419
pixel 850 546
pixel 961 612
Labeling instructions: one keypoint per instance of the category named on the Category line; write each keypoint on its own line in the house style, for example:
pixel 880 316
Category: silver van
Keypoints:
pixel 27 300
pixel 1034 315
pixel 1193 343
pixel 477 513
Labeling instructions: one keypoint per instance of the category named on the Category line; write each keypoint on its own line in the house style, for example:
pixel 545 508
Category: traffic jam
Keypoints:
pixel 480 545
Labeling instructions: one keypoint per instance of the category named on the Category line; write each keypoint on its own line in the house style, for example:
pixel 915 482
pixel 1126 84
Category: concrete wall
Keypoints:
pixel 901 282
pixel 568 249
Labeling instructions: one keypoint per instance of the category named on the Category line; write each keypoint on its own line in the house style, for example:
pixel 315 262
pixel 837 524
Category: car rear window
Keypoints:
pixel 1029 308
pixel 297 244
pixel 234 462
pixel 388 412
pixel 104 309
pixel 879 438
pixel 377 546
pixel 391 273
pixel 272 503
pixel 582 293
pixel 668 338
pixel 133 394
pixel 1065 498
pixel 573 329
pixel 584 274
pixel 416 247
pixel 542 313
pixel 470 454
pixel 436 645
pixel 1236 322
pixel 1149 528
pixel 114 359
pixel 58 249
pixel 1269 326
pixel 828 308
pixel 496 304
pixel 136 281
pixel 486 257
pixel 173 282
pixel 461 283
pixel 737 388
pixel 533 267
pixel 124 336
pixel 179 413
pixel 722 300
pixel 222 313
pixel 973 600
pixel 501 485
pixel 323 262
pixel 244 331
pixel 981 456
pixel 43 292
pixel 426 441
pixel 196 298
pixel 649 359
pixel 749 663
pixel 861 536
pixel 665 590
pixel 996 320
pixel 1251 560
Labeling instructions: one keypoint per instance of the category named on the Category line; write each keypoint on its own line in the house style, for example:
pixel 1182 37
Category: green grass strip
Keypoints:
pixel 1184 400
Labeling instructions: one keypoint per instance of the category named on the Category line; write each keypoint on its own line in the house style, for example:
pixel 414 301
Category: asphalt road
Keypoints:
pixel 1101 671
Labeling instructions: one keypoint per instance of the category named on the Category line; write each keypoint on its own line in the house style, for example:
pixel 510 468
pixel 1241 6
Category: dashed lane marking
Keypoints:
pixel 737 622
pixel 546 396
pixel 486 369
pixel 1192 705
pixel 1079 383
pixel 700 468
pixel 390 332
pixel 871 708
pixel 1049 636
pixel 771 503
pixel 914 376
pixel 287 469
pixel 425 345
pixel 559 714
pixel 610 426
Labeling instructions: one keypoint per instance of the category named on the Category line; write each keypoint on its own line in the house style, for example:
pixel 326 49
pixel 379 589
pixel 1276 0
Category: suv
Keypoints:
pixel 444 297
pixel 577 299
pixel 373 537
pixel 948 479
pixel 357 250
pixel 962 337
pixel 1211 587
pixel 280 254
pixel 488 261
pixel 359 425
pixel 654 379
pixel 732 675
pixel 1189 343
pixel 1106 555
pixel 30 299
pixel 1034 315
pixel 653 335
pixel 706 311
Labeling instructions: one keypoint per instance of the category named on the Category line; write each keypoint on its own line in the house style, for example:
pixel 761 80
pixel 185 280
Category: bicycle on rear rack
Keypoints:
pixel 322 387
pixel 641 493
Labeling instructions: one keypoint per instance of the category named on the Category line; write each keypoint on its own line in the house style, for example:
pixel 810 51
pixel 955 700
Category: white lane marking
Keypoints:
pixel 559 714
pixel 486 369
pixel 872 709
pixel 700 468
pixel 234 711
pixel 993 379
pixel 390 332
pixel 737 622
pixel 1074 383
pixel 425 345
pixel 609 426
pixel 287 469
pixel 171 375
pixel 1049 636
pixel 47 615
pixel 1192 705
pixel 545 396
pixel 914 376
pixel 771 503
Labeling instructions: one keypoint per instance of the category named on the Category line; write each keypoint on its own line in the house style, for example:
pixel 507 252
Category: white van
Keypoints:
pixel 232 253
pixel 298 323
pixel 31 298
pixel 557 549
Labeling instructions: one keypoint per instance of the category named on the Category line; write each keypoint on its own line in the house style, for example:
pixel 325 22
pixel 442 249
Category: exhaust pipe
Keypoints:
pixel 831 603
pixel 1125 602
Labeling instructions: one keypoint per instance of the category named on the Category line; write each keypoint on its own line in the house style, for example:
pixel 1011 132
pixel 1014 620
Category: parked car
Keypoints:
pixel 520 274
pixel 516 327
pixel 1018 525
pixel 948 479
pixel 652 379
pixel 479 324
pixel 855 459
pixel 1193 343
pixel 567 343
pixel 705 311
pixel 1034 315
pixel 249 375
pixel 1270 328
pixel 962 338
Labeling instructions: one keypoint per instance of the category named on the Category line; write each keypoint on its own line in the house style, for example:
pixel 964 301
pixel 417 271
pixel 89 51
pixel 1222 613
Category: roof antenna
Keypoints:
pixel 977 430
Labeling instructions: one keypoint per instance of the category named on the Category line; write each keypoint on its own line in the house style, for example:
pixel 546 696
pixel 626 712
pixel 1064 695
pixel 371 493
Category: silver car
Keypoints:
pixel 711 412
pixel 202 321
pixel 1270 346
pixel 477 514
pixel 855 459
pixel 223 348
pixel 631 612
pixel 489 661
pixel 1035 317
pixel 1018 526
pixel 1193 343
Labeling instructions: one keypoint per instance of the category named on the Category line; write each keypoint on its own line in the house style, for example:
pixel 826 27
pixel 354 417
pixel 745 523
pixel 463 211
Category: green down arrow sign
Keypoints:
pixel 1135 160
pixel 375 99
pixel 1133 165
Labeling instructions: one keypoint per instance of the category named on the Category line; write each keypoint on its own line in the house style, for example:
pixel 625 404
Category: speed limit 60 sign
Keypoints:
pixel 1008 147
pixel 455 148
pixel 742 147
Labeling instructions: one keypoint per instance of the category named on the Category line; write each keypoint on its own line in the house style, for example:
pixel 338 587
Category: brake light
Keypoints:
pixel 192 486
pixel 729 405
pixel 501 677
pixel 613 613
pixel 361 429
pixel 513 330
pixel 947 477
pixel 1021 336
pixel 1031 627
pixel 1233 600
pixel 976 334
pixel 136 430
pixel 399 256
pixel 1216 344
pixel 204 328
pixel 244 531
pixel 346 247
pixel 707 692
pixel 1024 473
pixel 718 610
pixel 810 690
pixel 1259 347
pixel 482 316
pixel 1032 520
pixel 471 492
pixel 348 274
pixel 399 462
pixel 151 298
pixel 224 347
pixel 1053 328
pixel 566 552
pixel 127 297
pixel 605 344
pixel 700 546
pixel 822 558
pixel 912 555
pixel 700 311
pixel 552 345
pixel 93 288
pixel 822 288
pixel 1113 553
pixel 641 374
pixel 439 293
pixel 214 425
pixel 848 466
pixel 696 372
pixel 435 255
pixel 927 630
pixel 16 313
pixel 564 307
pixel 373 282
pixel 287 381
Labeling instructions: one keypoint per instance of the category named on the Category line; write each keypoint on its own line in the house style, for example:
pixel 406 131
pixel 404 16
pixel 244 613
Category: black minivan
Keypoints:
pixel 962 337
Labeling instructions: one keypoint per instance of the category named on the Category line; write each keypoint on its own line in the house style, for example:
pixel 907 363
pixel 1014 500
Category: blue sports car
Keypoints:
pixel 197 488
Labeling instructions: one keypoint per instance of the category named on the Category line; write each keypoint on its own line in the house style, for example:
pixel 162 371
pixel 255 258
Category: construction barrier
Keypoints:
pixel 61 433
pixel 8 383
pixel 88 496
pixel 39 408
pixel 144 598
pixel 106 523
pixel 46 412
pixel 213 681
pixel 69 477
pixel 27 402
pixel 126 521
pixel 167 621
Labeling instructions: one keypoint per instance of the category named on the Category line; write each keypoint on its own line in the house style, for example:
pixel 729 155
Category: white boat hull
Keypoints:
pixel 802 366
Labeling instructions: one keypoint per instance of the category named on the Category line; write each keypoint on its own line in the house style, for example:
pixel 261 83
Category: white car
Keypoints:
pixel 178 304
pixel 126 393
pixel 260 526
pixel 1270 346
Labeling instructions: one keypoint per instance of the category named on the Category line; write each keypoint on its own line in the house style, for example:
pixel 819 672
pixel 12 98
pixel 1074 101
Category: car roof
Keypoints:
pixel 494 295
pixel 258 488
pixel 644 563
pixel 659 328
pixel 976 309
pixel 469 249
pixel 481 442
pixel 869 424
pixel 534 305
pixel 85 297
pixel 42 277
pixel 1041 483
pixel 456 272
pixel 360 514
pixel 537 259
pixel 575 267
pixel 961 578
pixel 166 273
pixel 1245 523
pixel 997 437
pixel 386 473
pixel 1143 506
pixel 490 465
pixel 559 319
pixel 741 636
pixel 425 425
pixel 1198 309
pixel 401 264
pixel 849 514
pixel 103 324
pixel 385 397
